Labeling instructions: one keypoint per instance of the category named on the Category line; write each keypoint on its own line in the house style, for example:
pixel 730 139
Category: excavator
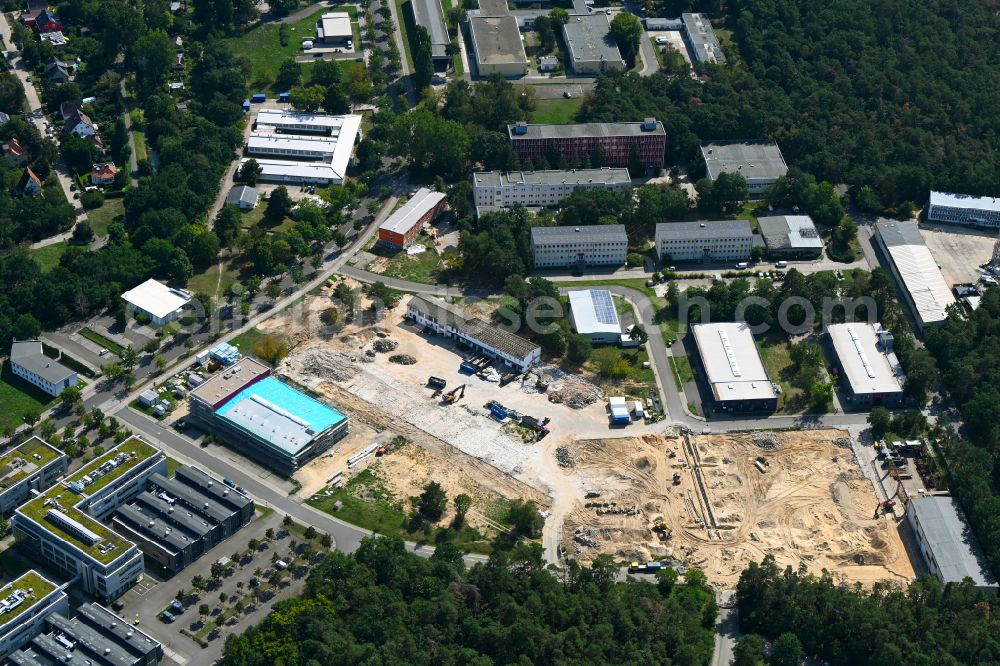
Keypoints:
pixel 454 395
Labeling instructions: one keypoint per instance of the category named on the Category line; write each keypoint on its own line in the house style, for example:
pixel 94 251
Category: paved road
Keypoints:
pixel 727 629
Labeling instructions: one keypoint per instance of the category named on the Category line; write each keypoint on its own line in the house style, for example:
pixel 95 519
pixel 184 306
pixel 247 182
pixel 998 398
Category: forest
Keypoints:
pixel 924 624
pixel 383 605
pixel 886 93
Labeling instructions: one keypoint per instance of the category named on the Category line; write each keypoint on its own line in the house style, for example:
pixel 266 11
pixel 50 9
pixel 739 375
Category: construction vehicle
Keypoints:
pixel 677 478
pixel 884 507
pixel 533 423
pixel 508 377
pixel 454 395
pixel 436 382
pixel 662 531
pixel 762 464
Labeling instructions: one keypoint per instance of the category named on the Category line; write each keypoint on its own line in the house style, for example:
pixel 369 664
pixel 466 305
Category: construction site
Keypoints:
pixel 718 502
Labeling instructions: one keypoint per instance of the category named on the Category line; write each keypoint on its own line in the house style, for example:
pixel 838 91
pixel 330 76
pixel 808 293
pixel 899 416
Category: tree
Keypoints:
pixel 271 349
pixel 526 519
pixel 83 233
pixel 880 419
pixel 462 504
pixel 31 416
pixel 27 328
pixel 204 610
pixel 335 101
pixel 248 174
pixel 578 348
pixel 559 15
pixel 307 98
pixel 626 31
pixel 423 63
pixel 749 651
pixel 69 397
pixel 787 651
pixel 289 74
pixel 279 205
pixel 638 333
pixel 324 73
pixel 78 153
pixel 310 533
pixel 433 501
pixel 129 358
pixel 228 223
pixel 154 54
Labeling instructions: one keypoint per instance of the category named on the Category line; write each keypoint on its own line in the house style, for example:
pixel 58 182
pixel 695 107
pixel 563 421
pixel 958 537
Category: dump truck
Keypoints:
pixel 436 382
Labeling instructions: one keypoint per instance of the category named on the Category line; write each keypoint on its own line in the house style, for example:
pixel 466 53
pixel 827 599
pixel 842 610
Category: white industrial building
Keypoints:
pixel 28 361
pixel 701 40
pixel 334 29
pixel 25 603
pixel 535 189
pixel 592 314
pixel 496 42
pixel 946 541
pixel 162 304
pixel 292 146
pixel 760 162
pixel 579 247
pixel 318 148
pixel 790 235
pixel 870 374
pixel 721 240
pixel 915 270
pixel 592 49
pixel 452 322
pixel 732 368
pixel 964 209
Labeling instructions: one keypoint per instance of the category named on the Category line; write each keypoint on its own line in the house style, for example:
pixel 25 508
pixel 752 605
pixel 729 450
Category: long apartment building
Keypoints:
pixel 34 465
pixel 25 603
pixel 579 247
pixel 264 418
pixel 701 40
pixel 62 526
pixel 492 190
pixel 29 362
pixel 721 240
pixel 964 209
pixel 404 224
pixel 615 142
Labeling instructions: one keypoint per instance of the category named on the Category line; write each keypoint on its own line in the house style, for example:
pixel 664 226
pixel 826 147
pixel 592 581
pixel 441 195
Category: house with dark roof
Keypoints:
pixel 57 71
pixel 47 21
pixel 69 108
pixel 29 363
pixel 80 124
pixel 30 184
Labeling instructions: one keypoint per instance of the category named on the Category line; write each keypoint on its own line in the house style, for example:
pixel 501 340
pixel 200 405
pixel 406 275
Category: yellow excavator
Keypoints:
pixel 454 395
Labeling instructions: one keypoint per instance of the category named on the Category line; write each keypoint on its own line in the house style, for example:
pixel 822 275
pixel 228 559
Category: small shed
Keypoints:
pixel 283 97
pixel 148 397
pixel 246 105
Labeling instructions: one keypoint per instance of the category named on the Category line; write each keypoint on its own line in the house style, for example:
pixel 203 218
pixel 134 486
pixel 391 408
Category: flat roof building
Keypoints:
pixel 917 274
pixel 62 525
pixel 264 418
pixel 579 247
pixel 430 15
pixel 334 28
pixel 615 143
pixel 322 159
pixel 492 190
pixel 701 40
pixel 32 465
pixel 25 603
pixel 870 374
pixel 497 43
pixel 733 369
pixel 405 223
pixel 790 235
pixel 95 636
pixel 708 242
pixel 946 541
pixel 452 322
pixel 243 197
pixel 292 146
pixel 593 315
pixel 592 50
pixel 964 209
pixel 160 303
pixel 760 162
pixel 29 362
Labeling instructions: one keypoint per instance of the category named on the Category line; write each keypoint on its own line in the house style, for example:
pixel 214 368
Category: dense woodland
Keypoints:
pixel 925 624
pixel 383 605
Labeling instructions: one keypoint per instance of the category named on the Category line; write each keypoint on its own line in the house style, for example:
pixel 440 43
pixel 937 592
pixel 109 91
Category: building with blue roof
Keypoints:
pixel 225 353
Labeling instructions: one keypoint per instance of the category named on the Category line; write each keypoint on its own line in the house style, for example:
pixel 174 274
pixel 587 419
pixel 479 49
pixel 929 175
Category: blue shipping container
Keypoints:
pixel 258 97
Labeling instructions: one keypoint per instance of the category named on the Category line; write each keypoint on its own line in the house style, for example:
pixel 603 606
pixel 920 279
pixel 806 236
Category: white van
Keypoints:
pixel 742 265
pixel 781 264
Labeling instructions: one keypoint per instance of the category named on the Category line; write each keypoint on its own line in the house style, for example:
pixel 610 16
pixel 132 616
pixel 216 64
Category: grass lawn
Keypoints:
pixel 248 341
pixel 252 218
pixel 683 372
pixel 560 111
pixel 139 137
pixel 216 280
pixel 776 351
pixel 19 397
pixel 97 338
pixel 262 43
pixel 101 217
pixel 424 268
pixel 48 257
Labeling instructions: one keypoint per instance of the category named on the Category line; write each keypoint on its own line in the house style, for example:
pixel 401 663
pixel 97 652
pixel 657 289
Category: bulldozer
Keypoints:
pixel 454 395
pixel 661 530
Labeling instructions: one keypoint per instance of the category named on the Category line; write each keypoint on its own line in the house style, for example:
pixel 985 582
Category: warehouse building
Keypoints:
pixel 708 242
pixel 592 50
pixel 579 247
pixel 701 40
pixel 790 236
pixel 492 190
pixel 916 272
pixel 405 223
pixel 313 148
pixel 946 541
pixel 869 372
pixel 160 303
pixel 430 15
pixel 176 521
pixel 593 315
pixel 334 29
pixel 497 44
pixel 31 466
pixel 453 322
pixel 94 636
pixel 29 362
pixel 25 603
pixel 732 368
pixel 616 143
pixel 62 527
pixel 964 209
pixel 760 162
pixel 265 419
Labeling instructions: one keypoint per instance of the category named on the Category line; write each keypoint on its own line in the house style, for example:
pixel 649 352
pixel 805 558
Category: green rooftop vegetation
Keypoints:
pixel 142 450
pixel 31 580
pixel 11 473
pixel 36 510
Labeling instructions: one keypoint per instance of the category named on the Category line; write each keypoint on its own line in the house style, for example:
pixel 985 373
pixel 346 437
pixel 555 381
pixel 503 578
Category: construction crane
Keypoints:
pixel 454 395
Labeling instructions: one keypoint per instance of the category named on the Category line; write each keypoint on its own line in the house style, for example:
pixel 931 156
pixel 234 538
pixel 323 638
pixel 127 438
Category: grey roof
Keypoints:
pixel 493 8
pixel 606 175
pixel 754 159
pixel 187 519
pixel 206 485
pixel 587 234
pixel 706 45
pixel 950 540
pixel 898 234
pixel 429 14
pixel 713 229
pixel 497 40
pixel 795 232
pixel 585 130
pixel 588 38
pixel 28 354
pixel 473 327
pixel 241 194
pixel 151 526
pixel 205 504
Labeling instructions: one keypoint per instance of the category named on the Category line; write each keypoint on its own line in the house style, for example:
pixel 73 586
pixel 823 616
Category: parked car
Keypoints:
pixel 229 482
pixel 568 95
pixel 103 352
pixel 177 606
pixel 168 617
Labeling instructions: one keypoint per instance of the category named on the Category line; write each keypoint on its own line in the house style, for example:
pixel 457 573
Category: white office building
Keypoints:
pixel 721 240
pixel 592 314
pixel 160 303
pixel 870 374
pixel 303 148
pixel 732 368
pixel 28 362
pixel 579 247
pixel 760 162
pixel 917 274
pixel 292 146
pixel 964 209
pixel 536 189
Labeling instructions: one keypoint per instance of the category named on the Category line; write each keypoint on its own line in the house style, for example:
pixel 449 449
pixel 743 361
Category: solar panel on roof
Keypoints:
pixel 604 307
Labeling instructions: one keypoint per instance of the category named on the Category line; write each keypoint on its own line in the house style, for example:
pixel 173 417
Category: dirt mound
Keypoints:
pixel 402 359
pixel 382 345
pixel 319 364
